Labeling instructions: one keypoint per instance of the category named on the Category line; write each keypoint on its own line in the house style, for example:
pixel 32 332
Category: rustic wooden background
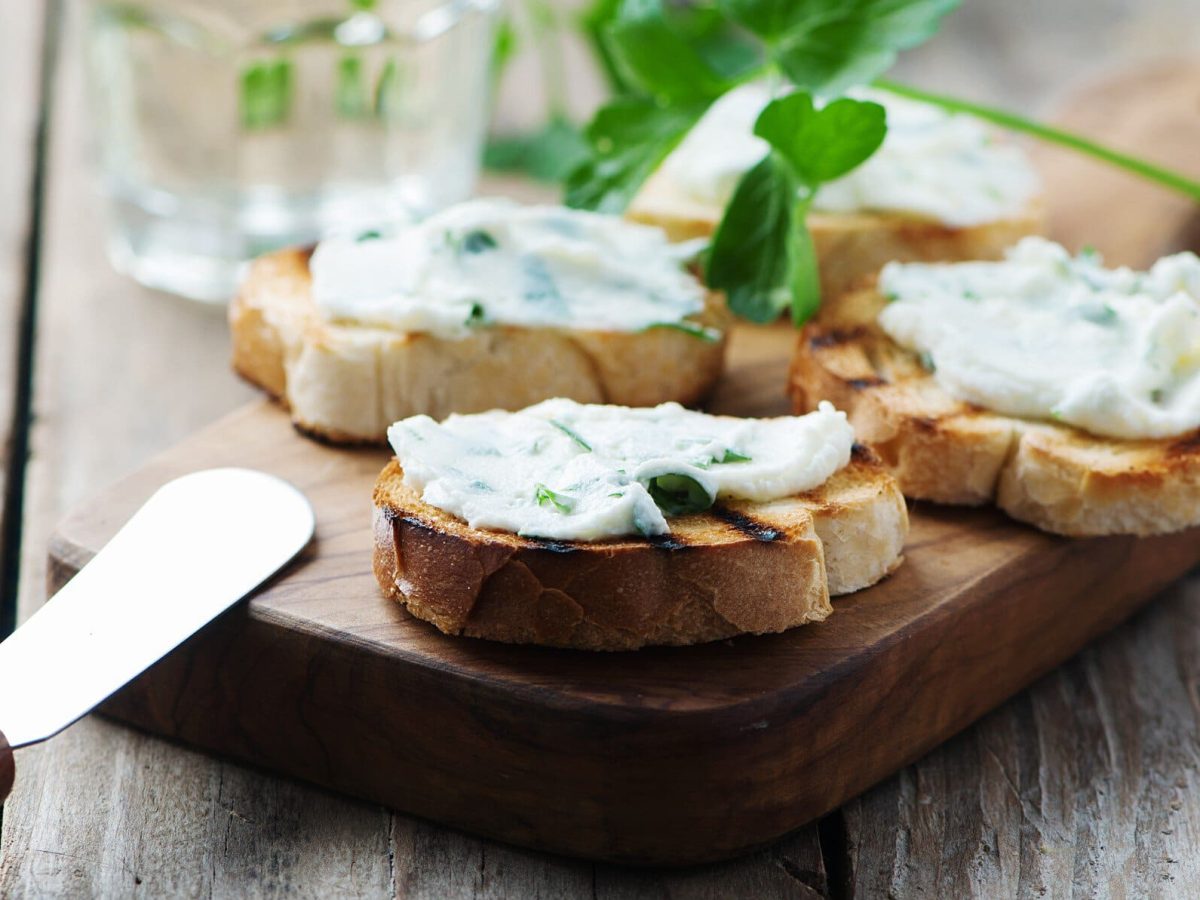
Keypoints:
pixel 1084 785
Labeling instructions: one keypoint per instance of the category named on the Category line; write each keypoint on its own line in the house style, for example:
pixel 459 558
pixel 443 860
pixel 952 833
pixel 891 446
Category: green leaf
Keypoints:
pixel 477 241
pixel 550 154
pixel 656 57
pixel 806 276
pixel 572 434
pixel 827 47
pixel 547 497
pixel 694 329
pixel 752 257
pixel 732 456
pixel 767 18
pixel 477 316
pixel 679 495
pixel 822 144
pixel 594 22
pixel 629 138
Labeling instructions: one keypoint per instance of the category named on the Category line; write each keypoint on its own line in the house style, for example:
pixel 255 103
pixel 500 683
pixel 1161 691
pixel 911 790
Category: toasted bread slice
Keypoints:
pixel 850 246
pixel 348 383
pixel 739 568
pixel 1056 477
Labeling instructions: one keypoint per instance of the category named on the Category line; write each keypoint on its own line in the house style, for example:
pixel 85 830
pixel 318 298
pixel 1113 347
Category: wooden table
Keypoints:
pixel 1086 783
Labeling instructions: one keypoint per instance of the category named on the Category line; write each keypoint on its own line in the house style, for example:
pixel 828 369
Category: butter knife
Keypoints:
pixel 197 546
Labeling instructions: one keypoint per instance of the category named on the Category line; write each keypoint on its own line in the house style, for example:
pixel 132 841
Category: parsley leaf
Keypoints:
pixel 763 255
pixel 679 495
pixel 549 154
pixel 656 58
pixel 694 329
pixel 755 254
pixel 545 496
pixel 572 434
pixel 630 138
pixel 828 47
pixel 766 18
pixel 822 144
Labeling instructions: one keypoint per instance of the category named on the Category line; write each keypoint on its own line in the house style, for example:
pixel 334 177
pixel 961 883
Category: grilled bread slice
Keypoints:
pixel 1056 477
pixel 348 383
pixel 850 246
pixel 738 568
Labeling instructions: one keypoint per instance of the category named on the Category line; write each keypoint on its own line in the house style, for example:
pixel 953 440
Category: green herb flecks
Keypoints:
pixel 732 456
pixel 679 495
pixel 547 497
pixel 371 235
pixel 1098 313
pixel 477 241
pixel 572 434
pixel 477 315
pixel 926 360
pixel 694 329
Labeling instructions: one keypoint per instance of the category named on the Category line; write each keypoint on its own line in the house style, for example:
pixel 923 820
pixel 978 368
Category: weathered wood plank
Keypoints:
pixel 439 864
pixel 1086 783
pixel 120 373
pixel 20 72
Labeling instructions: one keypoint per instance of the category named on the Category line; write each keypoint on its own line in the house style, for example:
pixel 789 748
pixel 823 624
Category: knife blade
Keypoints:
pixel 196 547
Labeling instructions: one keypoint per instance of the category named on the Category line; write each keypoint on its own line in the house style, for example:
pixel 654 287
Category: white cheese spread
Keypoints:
pixel 933 164
pixel 569 471
pixel 495 262
pixel 1043 335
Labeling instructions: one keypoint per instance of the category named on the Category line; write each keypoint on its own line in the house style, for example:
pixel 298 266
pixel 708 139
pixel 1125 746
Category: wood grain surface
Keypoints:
pixel 1030 802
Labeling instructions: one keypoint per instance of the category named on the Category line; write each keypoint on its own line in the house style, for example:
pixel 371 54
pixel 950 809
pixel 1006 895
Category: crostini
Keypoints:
pixel 488 304
pixel 609 528
pixel 1065 392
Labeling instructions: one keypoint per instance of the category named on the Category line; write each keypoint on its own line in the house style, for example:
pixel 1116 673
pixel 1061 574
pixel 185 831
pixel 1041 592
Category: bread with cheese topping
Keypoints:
pixel 850 247
pixel 1057 477
pixel 348 383
pixel 738 568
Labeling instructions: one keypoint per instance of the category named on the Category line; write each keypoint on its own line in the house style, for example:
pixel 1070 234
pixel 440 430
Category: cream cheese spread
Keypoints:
pixel 569 471
pixel 1044 335
pixel 495 262
pixel 933 164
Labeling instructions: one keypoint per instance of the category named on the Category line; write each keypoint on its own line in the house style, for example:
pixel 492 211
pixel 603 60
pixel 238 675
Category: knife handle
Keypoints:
pixel 8 768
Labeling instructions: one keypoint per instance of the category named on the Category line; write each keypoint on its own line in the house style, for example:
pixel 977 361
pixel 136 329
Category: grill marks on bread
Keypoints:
pixel 738 568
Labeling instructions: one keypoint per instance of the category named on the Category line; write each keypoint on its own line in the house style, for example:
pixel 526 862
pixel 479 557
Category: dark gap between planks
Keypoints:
pixel 22 415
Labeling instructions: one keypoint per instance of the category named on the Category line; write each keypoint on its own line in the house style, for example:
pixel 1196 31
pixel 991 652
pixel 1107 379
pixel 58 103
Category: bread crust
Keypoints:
pixel 741 568
pixel 849 246
pixel 347 384
pixel 1056 477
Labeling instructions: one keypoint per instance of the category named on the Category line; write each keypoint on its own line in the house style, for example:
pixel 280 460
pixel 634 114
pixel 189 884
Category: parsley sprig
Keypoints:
pixel 762 254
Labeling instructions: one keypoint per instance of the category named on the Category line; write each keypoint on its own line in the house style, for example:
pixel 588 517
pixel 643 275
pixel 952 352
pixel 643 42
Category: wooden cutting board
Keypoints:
pixel 660 756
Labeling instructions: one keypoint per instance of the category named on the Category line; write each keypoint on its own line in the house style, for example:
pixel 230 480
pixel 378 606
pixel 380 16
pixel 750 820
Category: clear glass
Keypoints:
pixel 230 127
